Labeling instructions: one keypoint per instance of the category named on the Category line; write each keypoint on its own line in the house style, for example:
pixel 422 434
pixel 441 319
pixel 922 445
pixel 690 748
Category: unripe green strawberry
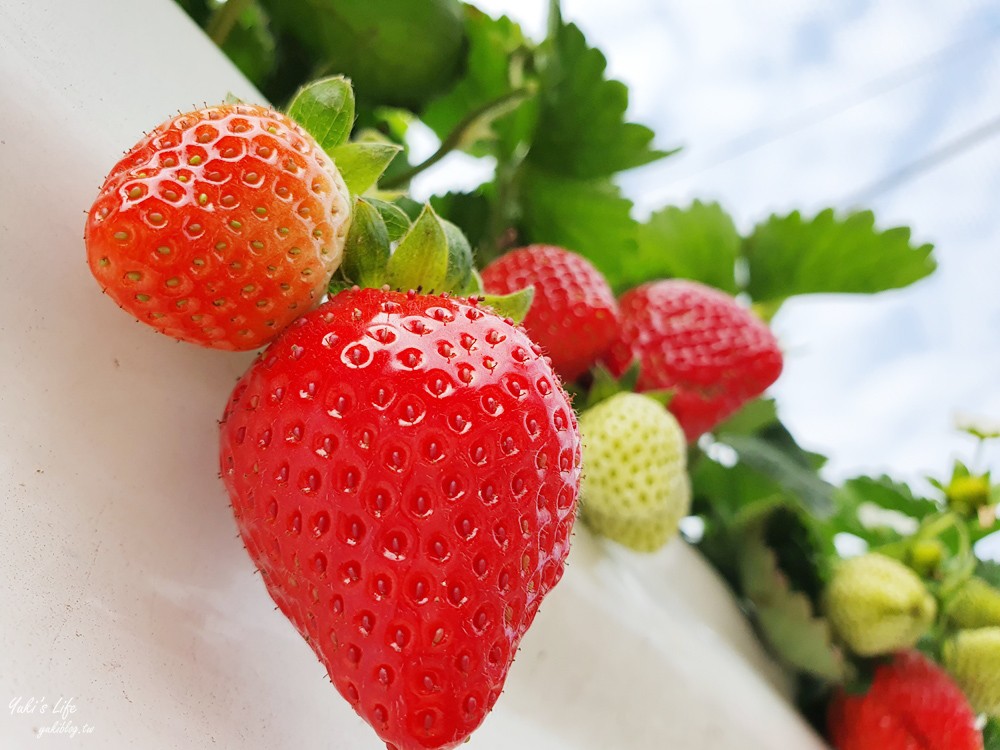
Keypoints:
pixel 925 556
pixel 967 493
pixel 973 659
pixel 975 605
pixel 878 605
pixel 635 486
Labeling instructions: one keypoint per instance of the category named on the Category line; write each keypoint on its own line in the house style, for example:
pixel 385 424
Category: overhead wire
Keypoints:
pixel 934 158
pixel 758 138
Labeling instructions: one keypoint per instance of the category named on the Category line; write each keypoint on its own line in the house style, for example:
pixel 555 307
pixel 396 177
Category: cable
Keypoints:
pixel 928 161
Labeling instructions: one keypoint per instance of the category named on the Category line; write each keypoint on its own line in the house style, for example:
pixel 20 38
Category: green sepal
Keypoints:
pixel 361 163
pixel 814 493
pixel 604 385
pixel 397 223
pixel 475 284
pixel 366 252
pixel 338 284
pixel 514 305
pixel 325 108
pixel 421 260
pixel 460 263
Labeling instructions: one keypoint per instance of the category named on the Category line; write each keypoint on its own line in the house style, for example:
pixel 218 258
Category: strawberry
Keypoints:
pixel 574 315
pixel 877 605
pixel 912 704
pixel 635 486
pixel 713 353
pixel 973 659
pixel 404 472
pixel 220 227
pixel 975 605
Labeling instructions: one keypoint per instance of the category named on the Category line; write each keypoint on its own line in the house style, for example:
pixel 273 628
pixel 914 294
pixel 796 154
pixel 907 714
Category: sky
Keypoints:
pixel 783 105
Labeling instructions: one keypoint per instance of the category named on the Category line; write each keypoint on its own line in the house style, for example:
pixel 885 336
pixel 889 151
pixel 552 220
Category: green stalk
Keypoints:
pixel 454 139
pixel 223 20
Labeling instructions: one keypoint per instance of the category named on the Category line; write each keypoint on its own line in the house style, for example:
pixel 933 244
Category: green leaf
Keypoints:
pixel 888 494
pixel 591 218
pixel 753 417
pixel 514 305
pixel 250 44
pixel 882 492
pixel 397 223
pixel 325 108
pixel 410 207
pixel 366 252
pixel 497 52
pixel 605 385
pixel 732 491
pixel 989 571
pixel 460 264
pixel 788 255
pixel 397 52
pixel 362 163
pixel 802 483
pixel 421 260
pixel 699 242
pixel 991 735
pixel 581 128
pixel 786 617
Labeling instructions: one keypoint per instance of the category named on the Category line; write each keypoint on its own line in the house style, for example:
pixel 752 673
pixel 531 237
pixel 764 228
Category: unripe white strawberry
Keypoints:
pixel 877 605
pixel 975 605
pixel 635 486
pixel 973 659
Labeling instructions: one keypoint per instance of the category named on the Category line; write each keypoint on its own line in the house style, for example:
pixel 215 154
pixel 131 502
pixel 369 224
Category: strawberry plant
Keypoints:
pixel 404 459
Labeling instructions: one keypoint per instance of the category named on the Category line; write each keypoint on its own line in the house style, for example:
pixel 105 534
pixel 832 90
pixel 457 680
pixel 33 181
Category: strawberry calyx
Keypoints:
pixel 384 247
pixel 603 385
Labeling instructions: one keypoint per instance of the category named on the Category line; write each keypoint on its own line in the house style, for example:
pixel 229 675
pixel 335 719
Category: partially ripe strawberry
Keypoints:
pixel 635 486
pixel 699 342
pixel 574 315
pixel 973 659
pixel 404 472
pixel 912 704
pixel 877 605
pixel 220 227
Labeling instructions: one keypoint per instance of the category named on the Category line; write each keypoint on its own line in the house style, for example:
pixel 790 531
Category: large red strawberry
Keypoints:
pixel 573 316
pixel 220 227
pixel 700 343
pixel 912 704
pixel 404 471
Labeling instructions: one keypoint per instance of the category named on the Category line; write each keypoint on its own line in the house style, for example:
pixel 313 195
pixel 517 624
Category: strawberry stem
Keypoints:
pixel 455 138
pixel 225 18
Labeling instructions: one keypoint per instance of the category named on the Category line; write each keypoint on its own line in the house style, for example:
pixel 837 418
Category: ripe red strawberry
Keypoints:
pixel 404 472
pixel 574 315
pixel 911 705
pixel 713 353
pixel 220 227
